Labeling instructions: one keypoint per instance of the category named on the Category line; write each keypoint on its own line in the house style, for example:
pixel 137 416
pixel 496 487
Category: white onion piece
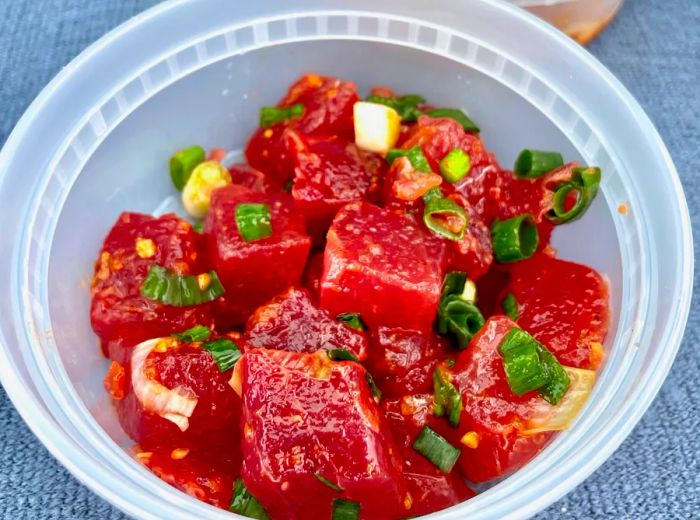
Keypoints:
pixel 176 405
pixel 547 418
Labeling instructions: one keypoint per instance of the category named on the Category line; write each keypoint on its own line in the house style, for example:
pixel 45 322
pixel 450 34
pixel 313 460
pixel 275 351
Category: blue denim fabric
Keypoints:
pixel 653 47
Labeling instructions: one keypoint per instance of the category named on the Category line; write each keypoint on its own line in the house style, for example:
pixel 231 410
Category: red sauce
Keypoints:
pixel 306 408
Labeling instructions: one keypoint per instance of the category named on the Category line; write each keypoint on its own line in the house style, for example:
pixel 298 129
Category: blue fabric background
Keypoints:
pixel 653 47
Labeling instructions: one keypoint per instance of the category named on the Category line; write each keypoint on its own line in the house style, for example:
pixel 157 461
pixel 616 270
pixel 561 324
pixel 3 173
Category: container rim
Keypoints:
pixel 64 449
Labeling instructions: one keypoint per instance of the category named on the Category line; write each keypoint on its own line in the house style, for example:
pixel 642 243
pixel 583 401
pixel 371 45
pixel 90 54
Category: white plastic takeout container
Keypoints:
pixel 96 142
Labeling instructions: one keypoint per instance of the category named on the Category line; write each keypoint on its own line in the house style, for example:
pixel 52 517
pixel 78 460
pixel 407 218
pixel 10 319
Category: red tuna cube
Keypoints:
pixel 328 106
pixel 430 489
pixel 378 263
pixel 329 173
pixel 253 272
pixel 564 305
pixel 402 361
pixel 493 417
pixel 292 322
pixel 175 396
pixel 305 419
pixel 119 314
pixel 207 479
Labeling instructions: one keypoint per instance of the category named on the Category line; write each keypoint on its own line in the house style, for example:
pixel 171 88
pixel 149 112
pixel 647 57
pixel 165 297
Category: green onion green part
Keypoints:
pixel 323 480
pixel 530 366
pixel 510 306
pixel 198 226
pixel 253 221
pixel 352 320
pixel 514 239
pixel 246 504
pixel 414 155
pixel 180 290
pixel 455 165
pixel 458 319
pixel 406 106
pixel 521 361
pixel 183 162
pixel 270 116
pixel 531 164
pixel 436 449
pixel 443 216
pixel 376 392
pixel 196 333
pixel 454 283
pixel 559 381
pixel 457 115
pixel 224 351
pixel 340 354
pixel 581 190
pixel 448 401
pixel 345 510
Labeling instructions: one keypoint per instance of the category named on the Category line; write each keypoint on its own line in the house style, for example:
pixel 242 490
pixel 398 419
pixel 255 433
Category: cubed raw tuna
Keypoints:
pixel 329 173
pixel 253 272
pixel 402 361
pixel 377 264
pixel 176 397
pixel 307 419
pixel 204 478
pixel 565 306
pixel 292 322
pixel 119 315
pixel 430 489
pixel 490 428
pixel 328 106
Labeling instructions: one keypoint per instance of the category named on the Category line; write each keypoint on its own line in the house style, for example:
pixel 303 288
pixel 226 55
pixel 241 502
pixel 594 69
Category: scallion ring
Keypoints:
pixel 183 162
pixel 514 239
pixel 436 449
pixel 253 221
pixel 443 216
pixel 455 165
pixel 535 163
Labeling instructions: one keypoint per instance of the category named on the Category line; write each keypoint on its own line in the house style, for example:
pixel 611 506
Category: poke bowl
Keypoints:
pixel 99 137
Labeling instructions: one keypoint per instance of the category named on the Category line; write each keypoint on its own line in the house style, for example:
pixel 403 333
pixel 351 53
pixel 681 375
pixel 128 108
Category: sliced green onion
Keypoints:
pixel 376 392
pixel 455 165
pixel 584 185
pixel 270 116
pixel 406 106
pixel 180 290
pixel 340 354
pixel 454 283
pixel 535 163
pixel 510 306
pixel 414 155
pixel 458 319
pixel 323 480
pixel 198 226
pixel 246 504
pixel 457 283
pixel 514 239
pixel 436 449
pixel 449 363
pixel 447 399
pixel 253 221
pixel 457 115
pixel 521 361
pixel 224 351
pixel 345 510
pixel 559 381
pixel 443 216
pixel 196 333
pixel 183 162
pixel 352 320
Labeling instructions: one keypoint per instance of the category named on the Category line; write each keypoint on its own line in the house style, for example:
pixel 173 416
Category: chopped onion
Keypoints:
pixel 547 417
pixel 176 405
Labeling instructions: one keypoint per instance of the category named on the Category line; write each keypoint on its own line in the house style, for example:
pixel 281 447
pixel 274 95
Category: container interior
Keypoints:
pixel 218 105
